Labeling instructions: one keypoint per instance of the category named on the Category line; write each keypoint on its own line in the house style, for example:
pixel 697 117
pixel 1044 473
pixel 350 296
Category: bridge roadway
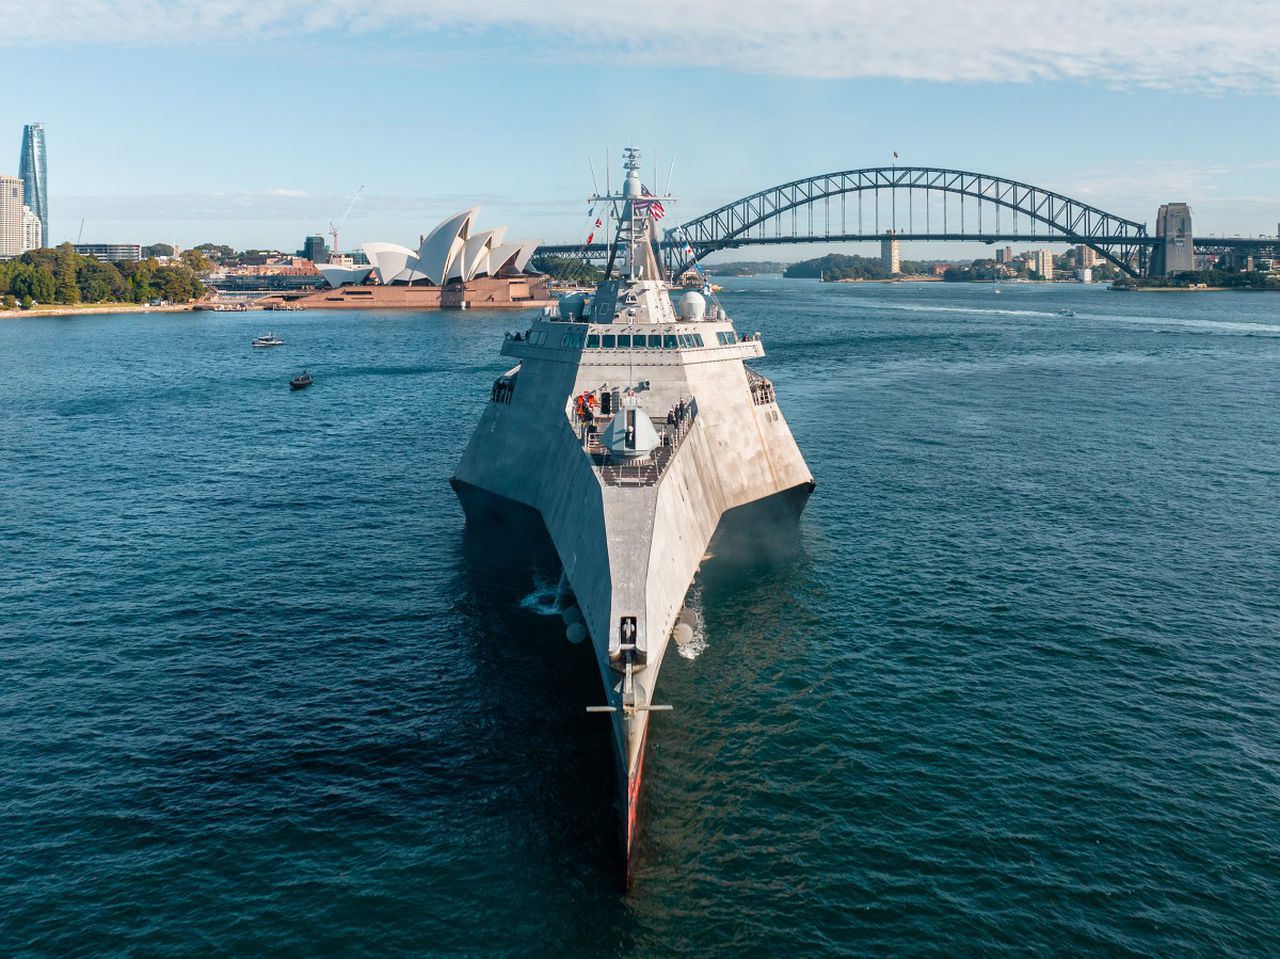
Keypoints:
pixel 1209 245
pixel 600 251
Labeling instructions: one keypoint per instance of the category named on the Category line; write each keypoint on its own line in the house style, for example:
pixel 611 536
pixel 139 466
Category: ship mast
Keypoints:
pixel 635 231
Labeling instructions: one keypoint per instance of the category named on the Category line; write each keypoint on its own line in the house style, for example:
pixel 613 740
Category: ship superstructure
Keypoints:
pixel 631 425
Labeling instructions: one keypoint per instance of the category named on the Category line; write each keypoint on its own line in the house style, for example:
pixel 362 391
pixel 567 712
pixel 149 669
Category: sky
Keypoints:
pixel 253 122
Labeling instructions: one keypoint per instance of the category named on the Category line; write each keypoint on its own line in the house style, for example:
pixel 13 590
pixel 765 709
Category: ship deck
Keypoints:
pixel 643 471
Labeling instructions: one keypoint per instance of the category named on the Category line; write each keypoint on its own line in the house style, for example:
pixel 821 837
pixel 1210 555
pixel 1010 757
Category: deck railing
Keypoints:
pixel 761 387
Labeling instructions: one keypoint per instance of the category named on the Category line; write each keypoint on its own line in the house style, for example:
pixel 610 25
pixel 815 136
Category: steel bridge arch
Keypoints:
pixel 1123 242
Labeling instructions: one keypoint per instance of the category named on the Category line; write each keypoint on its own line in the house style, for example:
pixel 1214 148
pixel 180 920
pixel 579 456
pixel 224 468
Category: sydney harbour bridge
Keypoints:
pixel 912 203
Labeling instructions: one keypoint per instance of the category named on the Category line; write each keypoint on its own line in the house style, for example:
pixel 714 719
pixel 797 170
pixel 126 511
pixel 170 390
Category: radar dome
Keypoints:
pixel 571 307
pixel 693 307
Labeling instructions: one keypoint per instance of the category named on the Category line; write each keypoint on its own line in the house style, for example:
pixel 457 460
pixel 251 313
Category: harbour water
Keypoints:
pixel 1014 694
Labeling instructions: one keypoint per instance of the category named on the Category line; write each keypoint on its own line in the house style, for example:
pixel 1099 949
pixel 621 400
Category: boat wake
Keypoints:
pixel 547 599
pixel 694 647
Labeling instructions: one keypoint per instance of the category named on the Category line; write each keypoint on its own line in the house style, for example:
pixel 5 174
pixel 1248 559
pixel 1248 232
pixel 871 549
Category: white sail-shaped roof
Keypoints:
pixel 443 245
pixel 389 259
pixel 501 256
pixel 341 275
pixel 474 260
pixel 525 254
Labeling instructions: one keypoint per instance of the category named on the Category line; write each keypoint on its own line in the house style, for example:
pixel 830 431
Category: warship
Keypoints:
pixel 629 428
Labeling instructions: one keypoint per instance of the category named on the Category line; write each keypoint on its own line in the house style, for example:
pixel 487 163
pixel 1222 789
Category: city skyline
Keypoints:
pixel 243 147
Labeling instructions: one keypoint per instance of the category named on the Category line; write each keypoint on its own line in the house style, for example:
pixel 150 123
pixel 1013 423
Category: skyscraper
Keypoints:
pixel 35 177
pixel 11 210
pixel 314 249
pixel 31 229
pixel 1042 263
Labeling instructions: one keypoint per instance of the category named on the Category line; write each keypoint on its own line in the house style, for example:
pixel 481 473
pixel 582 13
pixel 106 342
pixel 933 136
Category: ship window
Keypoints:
pixel 566 340
pixel 607 341
pixel 669 342
pixel 593 342
pixel 697 338
pixel 655 341
pixel 624 342
pixel 637 341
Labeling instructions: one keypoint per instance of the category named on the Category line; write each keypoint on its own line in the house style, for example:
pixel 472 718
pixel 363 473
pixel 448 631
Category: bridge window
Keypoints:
pixel 655 341
pixel 624 342
pixel 607 341
pixel 669 342
pixel 697 338
pixel 593 342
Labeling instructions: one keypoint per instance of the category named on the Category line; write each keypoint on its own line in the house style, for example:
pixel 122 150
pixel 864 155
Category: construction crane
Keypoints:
pixel 333 230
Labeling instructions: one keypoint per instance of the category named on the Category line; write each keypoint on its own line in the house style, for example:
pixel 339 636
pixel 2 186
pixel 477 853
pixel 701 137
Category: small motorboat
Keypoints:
pixel 1066 312
pixel 269 340
pixel 301 382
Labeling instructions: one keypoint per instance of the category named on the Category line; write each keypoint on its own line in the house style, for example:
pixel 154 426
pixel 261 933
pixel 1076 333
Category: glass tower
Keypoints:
pixel 34 176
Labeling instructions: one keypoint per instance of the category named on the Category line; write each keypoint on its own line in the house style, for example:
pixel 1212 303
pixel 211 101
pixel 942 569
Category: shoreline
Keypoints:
pixel 1186 289
pixel 94 309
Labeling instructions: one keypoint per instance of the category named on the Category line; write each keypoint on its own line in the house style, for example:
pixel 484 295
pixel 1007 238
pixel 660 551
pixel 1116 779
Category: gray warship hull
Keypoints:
pixel 631 535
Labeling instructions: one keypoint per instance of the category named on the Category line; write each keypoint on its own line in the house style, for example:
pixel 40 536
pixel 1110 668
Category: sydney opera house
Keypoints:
pixel 455 266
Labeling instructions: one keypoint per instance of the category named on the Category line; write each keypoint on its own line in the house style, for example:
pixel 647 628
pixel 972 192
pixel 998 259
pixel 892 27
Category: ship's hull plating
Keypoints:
pixel 630 552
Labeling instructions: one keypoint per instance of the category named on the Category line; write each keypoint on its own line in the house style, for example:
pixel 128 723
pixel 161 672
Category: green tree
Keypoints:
pixel 195 260
pixel 217 251
pixel 157 249
pixel 567 268
pixel 66 290
pixel 28 282
pixel 99 282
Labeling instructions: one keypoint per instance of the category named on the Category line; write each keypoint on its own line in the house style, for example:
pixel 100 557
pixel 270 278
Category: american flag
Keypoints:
pixel 654 207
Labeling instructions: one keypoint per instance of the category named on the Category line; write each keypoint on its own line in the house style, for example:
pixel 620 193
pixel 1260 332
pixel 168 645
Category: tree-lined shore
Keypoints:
pixel 66 278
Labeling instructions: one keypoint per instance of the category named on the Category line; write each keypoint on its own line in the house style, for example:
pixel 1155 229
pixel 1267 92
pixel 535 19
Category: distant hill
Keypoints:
pixel 744 268
pixel 838 266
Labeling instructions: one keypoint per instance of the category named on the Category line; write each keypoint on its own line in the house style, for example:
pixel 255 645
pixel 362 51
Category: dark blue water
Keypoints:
pixel 1017 694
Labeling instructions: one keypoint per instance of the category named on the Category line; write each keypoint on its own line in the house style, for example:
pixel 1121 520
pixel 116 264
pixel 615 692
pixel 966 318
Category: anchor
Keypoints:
pixel 629 705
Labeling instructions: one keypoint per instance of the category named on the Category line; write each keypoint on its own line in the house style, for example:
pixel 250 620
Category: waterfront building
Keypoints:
pixel 11 208
pixel 1005 255
pixel 34 175
pixel 1086 256
pixel 110 252
pixel 1176 253
pixel 453 266
pixel 1042 262
pixel 1084 275
pixel 891 253
pixel 315 249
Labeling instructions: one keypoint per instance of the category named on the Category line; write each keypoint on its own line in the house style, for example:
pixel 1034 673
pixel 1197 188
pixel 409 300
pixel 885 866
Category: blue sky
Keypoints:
pixel 251 124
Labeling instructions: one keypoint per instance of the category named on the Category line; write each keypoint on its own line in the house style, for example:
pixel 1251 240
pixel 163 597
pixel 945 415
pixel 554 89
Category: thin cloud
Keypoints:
pixel 278 204
pixel 1177 45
